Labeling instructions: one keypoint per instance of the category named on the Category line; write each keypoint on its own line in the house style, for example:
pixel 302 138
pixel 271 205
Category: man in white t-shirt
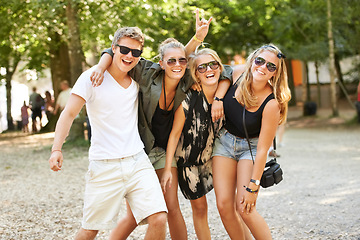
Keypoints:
pixel 119 167
pixel 63 96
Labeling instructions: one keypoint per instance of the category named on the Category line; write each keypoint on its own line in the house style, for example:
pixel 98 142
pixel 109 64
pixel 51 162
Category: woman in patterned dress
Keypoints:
pixel 192 137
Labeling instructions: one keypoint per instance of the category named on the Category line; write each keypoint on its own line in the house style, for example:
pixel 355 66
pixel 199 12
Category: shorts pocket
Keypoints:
pixel 93 171
pixel 221 133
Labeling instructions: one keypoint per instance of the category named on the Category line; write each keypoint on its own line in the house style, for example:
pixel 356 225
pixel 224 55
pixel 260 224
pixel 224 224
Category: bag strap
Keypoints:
pixel 248 141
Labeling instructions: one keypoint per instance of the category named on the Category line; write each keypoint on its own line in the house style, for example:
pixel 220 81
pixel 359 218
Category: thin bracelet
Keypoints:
pixel 250 190
pixel 56 151
pixel 196 39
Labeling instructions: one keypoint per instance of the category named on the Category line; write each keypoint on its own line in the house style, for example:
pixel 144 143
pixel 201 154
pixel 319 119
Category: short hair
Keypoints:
pixel 167 44
pixel 131 32
pixel 193 57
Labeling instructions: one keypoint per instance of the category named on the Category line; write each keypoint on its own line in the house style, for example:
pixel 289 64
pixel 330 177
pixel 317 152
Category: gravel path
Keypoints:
pixel 319 197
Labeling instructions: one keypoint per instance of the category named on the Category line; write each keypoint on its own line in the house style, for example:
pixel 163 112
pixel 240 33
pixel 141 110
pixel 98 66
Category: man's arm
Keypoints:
pixel 63 125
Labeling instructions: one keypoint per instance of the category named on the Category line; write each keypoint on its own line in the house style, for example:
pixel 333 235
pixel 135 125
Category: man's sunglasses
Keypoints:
pixel 259 61
pixel 125 50
pixel 172 61
pixel 203 67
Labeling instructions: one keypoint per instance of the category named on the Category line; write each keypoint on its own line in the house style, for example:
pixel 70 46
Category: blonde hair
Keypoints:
pixel 167 44
pixel 131 32
pixel 278 83
pixel 193 57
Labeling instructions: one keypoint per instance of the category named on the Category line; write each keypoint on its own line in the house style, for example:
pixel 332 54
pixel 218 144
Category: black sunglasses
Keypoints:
pixel 172 61
pixel 125 50
pixel 259 61
pixel 203 67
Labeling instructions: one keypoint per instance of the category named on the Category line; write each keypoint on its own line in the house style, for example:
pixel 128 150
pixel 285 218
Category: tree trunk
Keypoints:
pixel 332 62
pixel 308 94
pixel 10 121
pixel 77 58
pixel 8 77
pixel 318 83
pixel 339 74
pixel 75 48
pixel 59 61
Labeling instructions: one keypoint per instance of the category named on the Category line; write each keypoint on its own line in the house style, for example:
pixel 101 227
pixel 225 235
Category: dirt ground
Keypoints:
pixel 319 197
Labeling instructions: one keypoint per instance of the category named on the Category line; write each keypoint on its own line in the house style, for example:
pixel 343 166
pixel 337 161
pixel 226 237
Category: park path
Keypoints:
pixel 319 197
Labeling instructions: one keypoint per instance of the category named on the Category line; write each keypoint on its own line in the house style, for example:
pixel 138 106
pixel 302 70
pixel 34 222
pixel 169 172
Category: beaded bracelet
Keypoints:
pixel 196 39
pixel 56 151
pixel 250 190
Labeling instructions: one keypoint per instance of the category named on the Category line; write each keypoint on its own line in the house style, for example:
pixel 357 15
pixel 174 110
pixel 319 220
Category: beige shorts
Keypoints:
pixel 108 182
pixel 157 157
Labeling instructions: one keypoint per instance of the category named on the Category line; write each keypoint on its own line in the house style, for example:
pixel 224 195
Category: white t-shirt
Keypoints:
pixel 63 98
pixel 113 115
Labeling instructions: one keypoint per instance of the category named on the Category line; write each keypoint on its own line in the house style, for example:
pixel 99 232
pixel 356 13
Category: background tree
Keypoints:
pixel 67 36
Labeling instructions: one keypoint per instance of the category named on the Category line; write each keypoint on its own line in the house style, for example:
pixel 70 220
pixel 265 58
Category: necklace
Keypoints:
pixel 167 107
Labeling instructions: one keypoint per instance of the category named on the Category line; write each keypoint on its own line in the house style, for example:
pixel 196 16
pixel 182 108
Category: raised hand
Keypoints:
pixel 202 26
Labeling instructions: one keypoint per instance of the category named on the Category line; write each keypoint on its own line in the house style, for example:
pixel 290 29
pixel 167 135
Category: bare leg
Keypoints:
pixel 157 227
pixel 254 221
pixel 85 234
pixel 200 218
pixel 247 233
pixel 224 174
pixel 176 221
pixel 125 226
pixel 34 129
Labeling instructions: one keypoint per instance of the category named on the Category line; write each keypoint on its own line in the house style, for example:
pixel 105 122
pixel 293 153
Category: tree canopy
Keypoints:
pixel 41 32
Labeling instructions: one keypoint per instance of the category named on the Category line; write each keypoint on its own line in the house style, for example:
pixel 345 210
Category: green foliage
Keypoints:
pixel 297 26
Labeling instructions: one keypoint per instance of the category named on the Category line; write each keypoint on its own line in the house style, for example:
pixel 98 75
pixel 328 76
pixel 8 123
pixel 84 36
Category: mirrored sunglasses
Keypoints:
pixel 259 61
pixel 172 61
pixel 203 67
pixel 125 50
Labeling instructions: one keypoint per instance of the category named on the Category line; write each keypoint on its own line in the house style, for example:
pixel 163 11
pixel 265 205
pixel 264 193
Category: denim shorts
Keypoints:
pixel 228 145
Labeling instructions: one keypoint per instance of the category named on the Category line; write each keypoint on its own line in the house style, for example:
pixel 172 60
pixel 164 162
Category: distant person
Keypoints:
pixel 36 103
pixel 63 97
pixel 358 102
pixel 49 105
pixel 25 117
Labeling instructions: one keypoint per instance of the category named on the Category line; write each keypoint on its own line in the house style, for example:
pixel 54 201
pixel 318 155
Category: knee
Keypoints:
pixel 158 219
pixel 243 214
pixel 224 206
pixel 200 210
pixel 86 234
pixel 173 210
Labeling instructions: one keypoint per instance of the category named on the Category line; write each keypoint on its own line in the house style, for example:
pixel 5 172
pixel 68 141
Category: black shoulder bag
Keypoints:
pixel 272 173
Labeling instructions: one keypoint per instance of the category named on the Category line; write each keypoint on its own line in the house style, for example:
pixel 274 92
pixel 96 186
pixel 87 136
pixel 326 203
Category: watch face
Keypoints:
pixel 257 182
